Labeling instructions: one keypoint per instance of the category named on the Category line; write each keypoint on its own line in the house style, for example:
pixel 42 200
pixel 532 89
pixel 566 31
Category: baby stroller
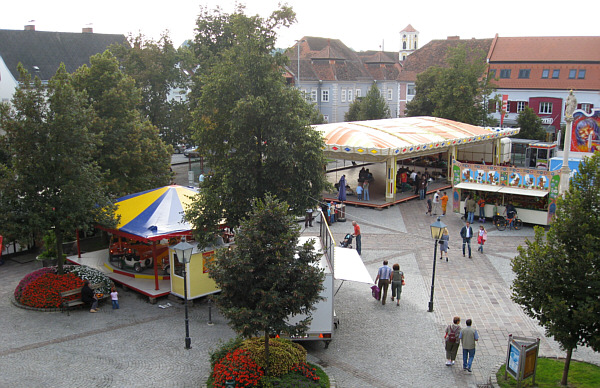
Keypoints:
pixel 347 243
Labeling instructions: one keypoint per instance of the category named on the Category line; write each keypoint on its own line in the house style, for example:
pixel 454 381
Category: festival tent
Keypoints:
pixel 153 215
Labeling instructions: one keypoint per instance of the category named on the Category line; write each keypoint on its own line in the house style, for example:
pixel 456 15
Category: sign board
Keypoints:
pixel 521 358
pixel 191 177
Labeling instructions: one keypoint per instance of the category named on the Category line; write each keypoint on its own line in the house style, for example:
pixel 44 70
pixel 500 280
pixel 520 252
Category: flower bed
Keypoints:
pixel 42 288
pixel 243 361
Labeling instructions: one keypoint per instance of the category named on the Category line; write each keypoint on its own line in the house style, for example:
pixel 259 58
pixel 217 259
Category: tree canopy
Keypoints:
pixel 252 128
pixel 460 91
pixel 371 107
pixel 156 68
pixel 50 181
pixel 267 276
pixel 557 279
pixel 131 151
pixel 531 125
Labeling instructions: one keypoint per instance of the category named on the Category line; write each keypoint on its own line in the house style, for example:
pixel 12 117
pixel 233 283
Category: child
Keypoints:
pixel 481 204
pixel 359 191
pixel 429 207
pixel 481 238
pixel 114 296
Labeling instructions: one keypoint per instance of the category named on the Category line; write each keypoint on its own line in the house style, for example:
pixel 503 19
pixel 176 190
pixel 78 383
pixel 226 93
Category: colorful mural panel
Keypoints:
pixel 585 136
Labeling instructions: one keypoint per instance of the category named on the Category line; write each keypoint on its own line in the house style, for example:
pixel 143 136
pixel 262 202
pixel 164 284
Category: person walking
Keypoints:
pixel 429 206
pixel 422 188
pixel 481 205
pixel 444 201
pixel 331 212
pixel 308 218
pixel 383 280
pixel 466 233
pixel 436 202
pixel 114 297
pixel 481 238
pixel 357 237
pixel 444 241
pixel 451 341
pixel 468 336
pixel 397 280
pixel 471 207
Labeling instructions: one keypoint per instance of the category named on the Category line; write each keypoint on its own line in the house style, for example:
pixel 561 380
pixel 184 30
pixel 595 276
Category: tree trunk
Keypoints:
pixel 267 352
pixel 59 251
pixel 566 369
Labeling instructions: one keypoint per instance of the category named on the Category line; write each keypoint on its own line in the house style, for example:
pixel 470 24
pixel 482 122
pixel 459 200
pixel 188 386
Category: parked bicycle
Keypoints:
pixel 501 223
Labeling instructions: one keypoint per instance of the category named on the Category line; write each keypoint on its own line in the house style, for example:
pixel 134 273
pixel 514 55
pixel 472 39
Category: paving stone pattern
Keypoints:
pixel 142 345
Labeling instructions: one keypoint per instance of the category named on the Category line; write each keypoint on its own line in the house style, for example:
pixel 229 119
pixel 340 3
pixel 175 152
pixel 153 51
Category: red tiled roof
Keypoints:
pixel 409 28
pixel 435 53
pixel 550 48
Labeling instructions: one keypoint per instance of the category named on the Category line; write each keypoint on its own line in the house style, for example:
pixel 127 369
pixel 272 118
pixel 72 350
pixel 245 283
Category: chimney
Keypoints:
pixel 456 37
pixel 87 30
pixel 30 27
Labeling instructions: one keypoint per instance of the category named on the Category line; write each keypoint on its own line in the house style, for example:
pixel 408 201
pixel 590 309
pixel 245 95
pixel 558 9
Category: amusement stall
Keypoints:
pixel 150 224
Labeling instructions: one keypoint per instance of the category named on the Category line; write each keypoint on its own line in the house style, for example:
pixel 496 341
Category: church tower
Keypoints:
pixel 409 41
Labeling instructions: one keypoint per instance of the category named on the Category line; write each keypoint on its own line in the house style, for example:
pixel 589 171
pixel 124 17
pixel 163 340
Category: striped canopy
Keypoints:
pixel 405 137
pixel 155 214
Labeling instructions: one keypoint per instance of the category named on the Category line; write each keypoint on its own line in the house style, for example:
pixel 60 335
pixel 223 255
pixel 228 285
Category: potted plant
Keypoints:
pixel 48 256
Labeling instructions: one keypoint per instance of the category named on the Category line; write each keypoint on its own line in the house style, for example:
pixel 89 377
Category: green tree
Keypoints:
pixel 132 153
pixel 51 182
pixel 267 277
pixel 557 280
pixel 155 68
pixel 252 128
pixel 460 91
pixel 531 125
pixel 371 107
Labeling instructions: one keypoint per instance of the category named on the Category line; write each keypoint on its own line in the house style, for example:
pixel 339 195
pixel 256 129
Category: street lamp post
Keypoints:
pixel 183 250
pixel 437 229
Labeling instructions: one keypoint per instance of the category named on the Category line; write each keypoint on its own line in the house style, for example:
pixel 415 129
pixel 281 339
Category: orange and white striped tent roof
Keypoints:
pixel 405 137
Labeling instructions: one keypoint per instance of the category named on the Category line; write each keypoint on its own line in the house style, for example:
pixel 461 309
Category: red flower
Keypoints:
pixel 44 291
pixel 237 365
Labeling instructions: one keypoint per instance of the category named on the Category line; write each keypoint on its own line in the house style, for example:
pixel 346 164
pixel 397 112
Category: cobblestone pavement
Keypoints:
pixel 142 345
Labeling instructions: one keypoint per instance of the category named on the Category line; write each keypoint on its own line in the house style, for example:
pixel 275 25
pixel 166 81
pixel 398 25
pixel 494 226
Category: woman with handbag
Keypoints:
pixel 444 244
pixel 397 279
pixel 451 341
pixel 481 238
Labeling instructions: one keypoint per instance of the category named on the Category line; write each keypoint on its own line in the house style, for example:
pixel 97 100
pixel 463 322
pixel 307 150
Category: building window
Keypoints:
pixel 325 95
pixel 350 94
pixel 505 73
pixel 555 73
pixel 581 74
pixel 343 97
pixel 521 106
pixel 545 73
pixel 493 73
pixel 390 94
pixel 313 95
pixel 411 90
pixel 572 73
pixel 524 73
pixel 586 107
pixel 546 108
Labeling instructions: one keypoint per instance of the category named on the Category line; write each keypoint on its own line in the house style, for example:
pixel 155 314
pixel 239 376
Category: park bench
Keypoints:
pixel 66 304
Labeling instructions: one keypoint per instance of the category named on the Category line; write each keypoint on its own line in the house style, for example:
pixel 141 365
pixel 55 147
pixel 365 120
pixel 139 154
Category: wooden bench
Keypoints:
pixel 66 304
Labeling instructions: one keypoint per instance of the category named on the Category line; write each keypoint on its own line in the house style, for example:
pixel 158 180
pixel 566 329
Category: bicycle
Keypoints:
pixel 501 223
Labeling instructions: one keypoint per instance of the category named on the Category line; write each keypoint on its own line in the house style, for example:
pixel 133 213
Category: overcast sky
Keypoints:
pixel 361 25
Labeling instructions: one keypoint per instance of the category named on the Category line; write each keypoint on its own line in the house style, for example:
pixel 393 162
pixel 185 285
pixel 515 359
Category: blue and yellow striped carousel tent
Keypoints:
pixel 154 214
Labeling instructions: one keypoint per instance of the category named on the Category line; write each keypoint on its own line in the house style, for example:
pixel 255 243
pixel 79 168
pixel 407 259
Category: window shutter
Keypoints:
pixel 512 107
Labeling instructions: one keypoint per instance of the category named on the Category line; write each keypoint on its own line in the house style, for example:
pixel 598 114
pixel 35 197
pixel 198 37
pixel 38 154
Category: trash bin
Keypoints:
pixel 342 212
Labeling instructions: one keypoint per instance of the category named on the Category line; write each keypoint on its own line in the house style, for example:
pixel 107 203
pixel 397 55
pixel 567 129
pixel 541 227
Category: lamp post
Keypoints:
pixel 437 229
pixel 183 250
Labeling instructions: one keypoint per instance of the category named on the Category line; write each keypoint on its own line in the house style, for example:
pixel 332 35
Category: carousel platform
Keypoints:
pixel 143 283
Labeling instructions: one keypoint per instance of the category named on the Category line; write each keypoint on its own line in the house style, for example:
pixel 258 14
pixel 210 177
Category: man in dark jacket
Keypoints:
pixel 466 233
pixel 88 296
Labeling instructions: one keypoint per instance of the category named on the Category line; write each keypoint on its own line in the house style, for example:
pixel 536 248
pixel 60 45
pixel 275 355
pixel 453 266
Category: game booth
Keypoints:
pixel 140 252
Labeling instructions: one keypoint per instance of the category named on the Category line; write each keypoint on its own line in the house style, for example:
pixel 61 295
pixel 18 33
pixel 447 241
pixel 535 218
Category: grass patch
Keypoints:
pixel 549 373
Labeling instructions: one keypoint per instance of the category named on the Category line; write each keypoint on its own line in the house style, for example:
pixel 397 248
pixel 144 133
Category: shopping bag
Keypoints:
pixel 375 292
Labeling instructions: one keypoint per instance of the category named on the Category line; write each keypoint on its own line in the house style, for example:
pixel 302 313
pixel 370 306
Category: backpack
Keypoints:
pixel 451 335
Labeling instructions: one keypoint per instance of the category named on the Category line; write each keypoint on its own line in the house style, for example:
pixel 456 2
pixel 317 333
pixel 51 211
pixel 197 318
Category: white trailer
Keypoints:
pixel 351 268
